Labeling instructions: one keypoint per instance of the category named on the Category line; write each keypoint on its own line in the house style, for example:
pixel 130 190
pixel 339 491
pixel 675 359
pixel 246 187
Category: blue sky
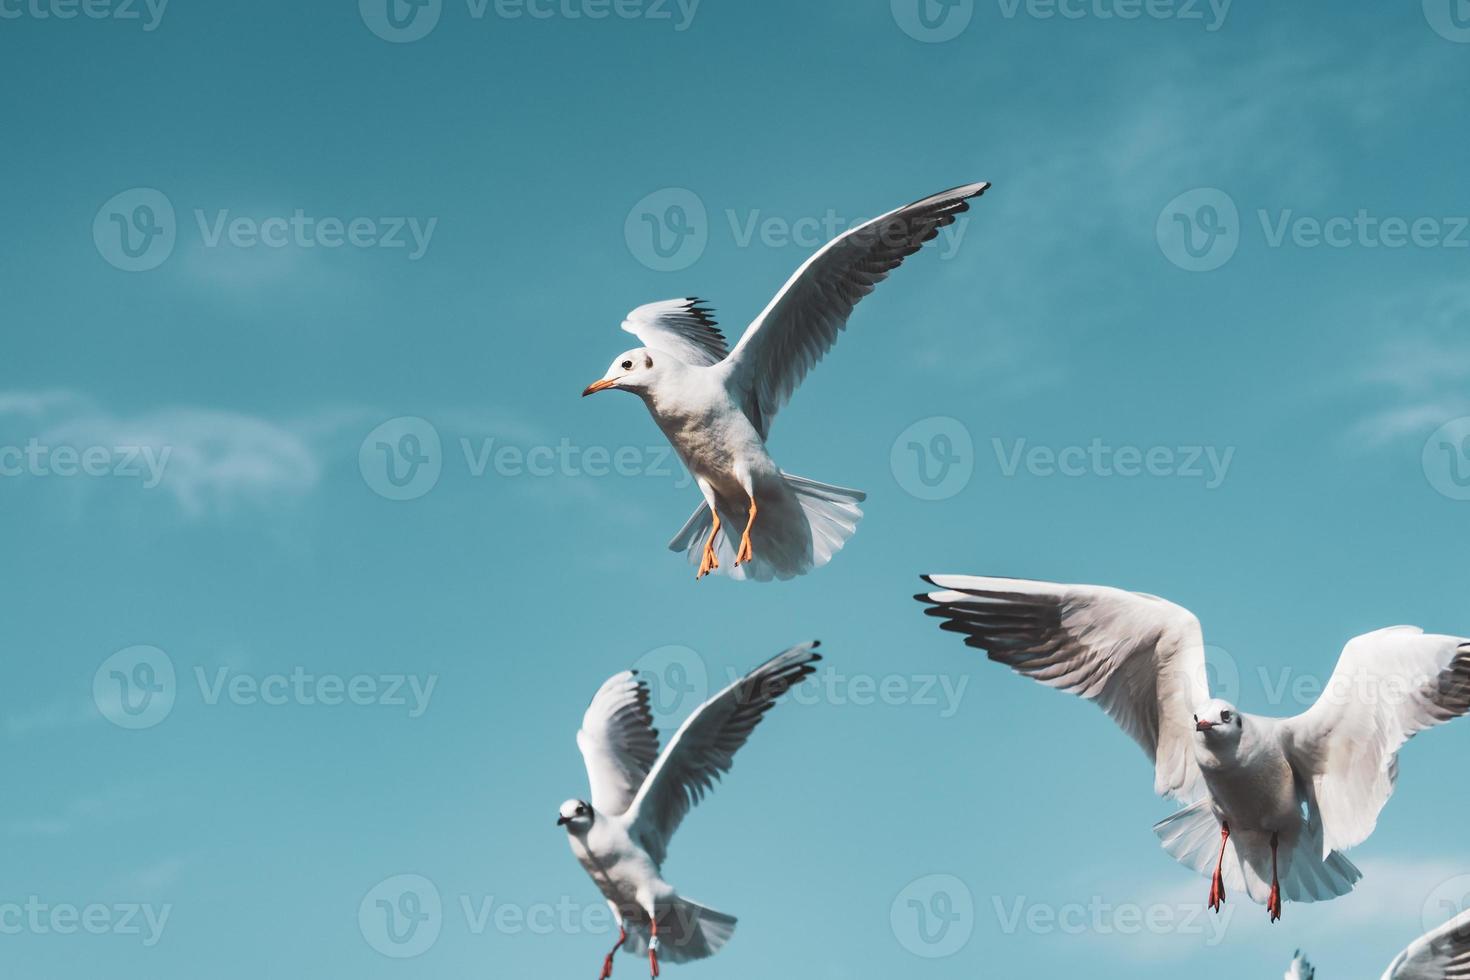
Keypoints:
pixel 1228 240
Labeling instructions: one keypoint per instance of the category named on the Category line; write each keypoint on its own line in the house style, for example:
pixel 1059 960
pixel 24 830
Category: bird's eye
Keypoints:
pixel 1225 716
pixel 627 365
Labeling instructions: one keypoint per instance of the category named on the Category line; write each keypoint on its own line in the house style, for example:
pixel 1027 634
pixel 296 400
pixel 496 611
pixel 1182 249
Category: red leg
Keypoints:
pixel 1217 884
pixel 607 963
pixel 653 945
pixel 1273 905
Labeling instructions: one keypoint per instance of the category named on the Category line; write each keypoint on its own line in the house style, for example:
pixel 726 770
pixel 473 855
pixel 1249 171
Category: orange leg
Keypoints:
pixel 607 963
pixel 709 562
pixel 745 553
pixel 653 945
pixel 1217 884
pixel 1273 904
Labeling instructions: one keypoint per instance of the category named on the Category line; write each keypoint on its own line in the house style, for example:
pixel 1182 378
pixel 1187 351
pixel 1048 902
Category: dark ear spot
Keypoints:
pixel 647 361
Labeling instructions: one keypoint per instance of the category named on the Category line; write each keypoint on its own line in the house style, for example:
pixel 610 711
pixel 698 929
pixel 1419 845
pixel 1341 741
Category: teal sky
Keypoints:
pixel 1208 336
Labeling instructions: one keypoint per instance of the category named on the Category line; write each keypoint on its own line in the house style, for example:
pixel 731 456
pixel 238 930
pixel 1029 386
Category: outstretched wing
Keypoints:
pixel 684 328
pixel 704 747
pixel 801 324
pixel 618 742
pixel 1139 657
pixel 1443 954
pixel 1388 686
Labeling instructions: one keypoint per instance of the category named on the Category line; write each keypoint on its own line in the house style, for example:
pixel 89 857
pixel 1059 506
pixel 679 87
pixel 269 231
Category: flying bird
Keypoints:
pixel 716 405
pixel 1442 954
pixel 1271 802
pixel 639 797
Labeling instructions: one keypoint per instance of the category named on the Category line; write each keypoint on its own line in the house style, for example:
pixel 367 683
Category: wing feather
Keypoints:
pixel 1388 686
pixel 704 747
pixel 684 328
pixel 618 741
pixel 802 322
pixel 1138 657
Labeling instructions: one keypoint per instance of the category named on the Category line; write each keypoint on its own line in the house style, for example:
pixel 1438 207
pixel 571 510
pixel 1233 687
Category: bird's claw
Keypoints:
pixel 708 563
pixel 1273 904
pixel 745 553
pixel 1217 893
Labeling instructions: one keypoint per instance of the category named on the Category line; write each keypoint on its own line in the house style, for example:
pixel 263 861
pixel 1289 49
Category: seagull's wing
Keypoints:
pixel 704 747
pixel 1388 686
pixel 801 324
pixel 1139 657
pixel 618 742
pixel 1443 954
pixel 1301 968
pixel 684 328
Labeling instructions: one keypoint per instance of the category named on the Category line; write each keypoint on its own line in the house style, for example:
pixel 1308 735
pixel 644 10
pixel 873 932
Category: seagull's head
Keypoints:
pixel 576 816
pixel 1218 722
pixel 632 370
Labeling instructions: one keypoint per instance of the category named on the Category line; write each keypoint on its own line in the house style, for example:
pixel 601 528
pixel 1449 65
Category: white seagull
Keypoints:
pixel 1443 954
pixel 640 795
pixel 1272 802
pixel 716 405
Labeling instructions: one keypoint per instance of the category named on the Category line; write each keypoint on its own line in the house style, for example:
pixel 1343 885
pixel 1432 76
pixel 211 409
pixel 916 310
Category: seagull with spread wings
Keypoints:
pixel 1271 802
pixel 639 797
pixel 716 405
pixel 1441 954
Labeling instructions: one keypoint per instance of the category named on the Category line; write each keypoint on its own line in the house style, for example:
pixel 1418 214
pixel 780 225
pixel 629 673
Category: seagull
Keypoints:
pixel 640 795
pixel 716 405
pixel 1283 797
pixel 1442 954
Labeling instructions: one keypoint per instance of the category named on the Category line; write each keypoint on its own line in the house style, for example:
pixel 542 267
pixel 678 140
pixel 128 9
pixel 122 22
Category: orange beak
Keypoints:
pixel 597 386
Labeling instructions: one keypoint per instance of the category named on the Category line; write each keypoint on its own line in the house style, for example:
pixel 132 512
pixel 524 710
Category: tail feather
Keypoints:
pixel 686 931
pixel 1192 837
pixel 801 531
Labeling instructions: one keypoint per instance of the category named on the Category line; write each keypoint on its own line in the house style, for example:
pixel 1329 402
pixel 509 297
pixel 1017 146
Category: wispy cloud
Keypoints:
pixel 1421 373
